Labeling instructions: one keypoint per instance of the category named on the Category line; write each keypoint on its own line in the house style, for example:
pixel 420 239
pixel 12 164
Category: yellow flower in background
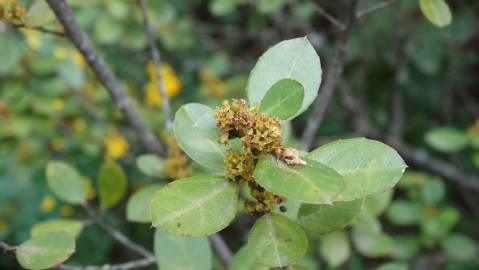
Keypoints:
pixel 33 38
pixel 473 130
pixel 78 59
pixel 115 144
pixel 60 53
pixel 57 144
pixel 211 84
pixel 90 191
pixel 78 125
pixel 58 104
pixel 3 106
pixel 3 225
pixel 67 211
pixel 48 204
pixel 170 80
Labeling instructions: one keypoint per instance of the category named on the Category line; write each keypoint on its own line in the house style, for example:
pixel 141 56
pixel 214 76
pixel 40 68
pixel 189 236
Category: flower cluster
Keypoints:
pixel 259 134
pixel 176 165
pixel 13 12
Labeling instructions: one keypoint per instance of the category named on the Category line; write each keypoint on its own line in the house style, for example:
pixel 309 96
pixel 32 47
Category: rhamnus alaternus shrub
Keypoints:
pixel 241 143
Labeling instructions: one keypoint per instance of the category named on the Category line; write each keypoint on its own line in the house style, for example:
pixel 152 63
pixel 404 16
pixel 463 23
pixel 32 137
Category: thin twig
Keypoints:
pixel 332 79
pixel 40 29
pixel 156 56
pixel 221 249
pixel 117 235
pixel 6 248
pixel 96 62
pixel 122 266
pixel 329 17
pixel 397 106
pixel 412 155
pixel 373 8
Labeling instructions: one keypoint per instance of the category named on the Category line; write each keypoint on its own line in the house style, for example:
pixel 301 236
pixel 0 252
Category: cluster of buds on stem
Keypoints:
pixel 259 134
pixel 13 12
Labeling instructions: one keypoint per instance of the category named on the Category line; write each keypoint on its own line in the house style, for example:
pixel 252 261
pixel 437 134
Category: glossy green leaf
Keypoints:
pixel 335 248
pixel 276 240
pixel 436 11
pixel 323 219
pixel 65 182
pixel 39 14
pixel 290 59
pixel 150 165
pixel 459 247
pixel 446 139
pixel 194 206
pixel 175 252
pixel 138 206
pixel 369 239
pixel 283 99
pixel 392 266
pixel 72 227
pixel 404 212
pixel 367 166
pixel 310 183
pixel 196 133
pixel 244 260
pixel 289 208
pixel 112 184
pixel 45 251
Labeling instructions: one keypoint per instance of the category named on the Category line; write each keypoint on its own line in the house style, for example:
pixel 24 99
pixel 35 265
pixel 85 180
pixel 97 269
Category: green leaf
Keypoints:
pixel 436 11
pixel 323 219
pixel 404 212
pixel 39 14
pixel 376 204
pixel 369 239
pixel 335 248
pixel 433 191
pixel 406 247
pixel 446 139
pixel 244 260
pixel 65 182
pixel 196 133
pixel 459 247
pixel 367 166
pixel 46 250
pixel 310 183
pixel 112 184
pixel 292 208
pixel 392 266
pixel 175 252
pixel 275 240
pixel 138 206
pixel 108 30
pixel 283 99
pixel 194 206
pixel 150 165
pixel 290 59
pixel 72 227
pixel 437 225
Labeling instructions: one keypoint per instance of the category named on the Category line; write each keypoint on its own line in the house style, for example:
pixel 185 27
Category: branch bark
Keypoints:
pixel 412 155
pixel 331 82
pixel 156 56
pixel 40 29
pixel 122 266
pixel 96 62
pixel 373 8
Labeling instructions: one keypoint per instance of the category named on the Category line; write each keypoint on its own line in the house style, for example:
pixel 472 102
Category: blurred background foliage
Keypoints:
pixel 51 107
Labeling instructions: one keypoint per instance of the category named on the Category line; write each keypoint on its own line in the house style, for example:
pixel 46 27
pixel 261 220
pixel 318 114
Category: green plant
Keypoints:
pixel 243 145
